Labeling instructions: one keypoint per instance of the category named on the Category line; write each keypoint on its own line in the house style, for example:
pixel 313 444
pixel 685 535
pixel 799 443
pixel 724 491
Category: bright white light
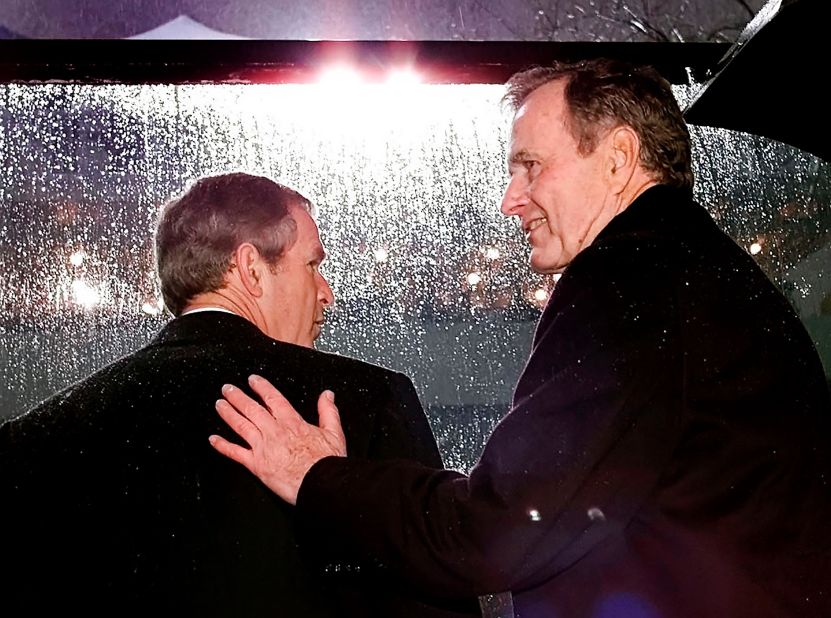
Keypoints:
pixel 474 279
pixel 340 76
pixel 77 258
pixel 755 248
pixel 534 514
pixel 556 277
pixel 84 294
pixel 403 78
pixel 151 309
pixel 540 294
pixel 380 254
pixel 492 253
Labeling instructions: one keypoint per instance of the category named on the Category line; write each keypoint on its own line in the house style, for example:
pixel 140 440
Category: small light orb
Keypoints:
pixel 380 254
pixel 534 514
pixel 77 258
pixel 474 279
pixel 492 253
pixel 540 294
pixel 595 514
pixel 755 248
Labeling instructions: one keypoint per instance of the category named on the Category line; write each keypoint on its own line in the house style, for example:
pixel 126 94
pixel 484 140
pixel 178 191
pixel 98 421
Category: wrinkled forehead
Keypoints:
pixel 541 120
pixel 546 103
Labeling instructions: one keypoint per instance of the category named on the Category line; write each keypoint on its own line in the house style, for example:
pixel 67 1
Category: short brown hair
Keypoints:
pixel 199 230
pixel 601 94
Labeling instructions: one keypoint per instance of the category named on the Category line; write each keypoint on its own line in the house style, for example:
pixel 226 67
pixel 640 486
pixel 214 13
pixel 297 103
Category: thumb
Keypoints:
pixel 329 417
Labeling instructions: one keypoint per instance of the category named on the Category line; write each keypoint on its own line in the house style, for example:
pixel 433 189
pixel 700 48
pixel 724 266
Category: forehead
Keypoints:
pixel 303 219
pixel 308 235
pixel 542 115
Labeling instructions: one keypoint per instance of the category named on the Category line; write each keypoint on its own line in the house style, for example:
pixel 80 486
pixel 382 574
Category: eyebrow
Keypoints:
pixel 519 156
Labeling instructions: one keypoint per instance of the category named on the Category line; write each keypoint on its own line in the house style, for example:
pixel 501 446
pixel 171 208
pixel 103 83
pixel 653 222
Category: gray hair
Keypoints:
pixel 601 94
pixel 198 231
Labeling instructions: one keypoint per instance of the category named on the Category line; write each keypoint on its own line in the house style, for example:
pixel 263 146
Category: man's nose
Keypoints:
pixel 516 196
pixel 324 292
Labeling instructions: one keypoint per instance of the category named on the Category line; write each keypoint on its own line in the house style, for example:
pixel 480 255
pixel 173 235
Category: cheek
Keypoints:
pixel 311 290
pixel 548 193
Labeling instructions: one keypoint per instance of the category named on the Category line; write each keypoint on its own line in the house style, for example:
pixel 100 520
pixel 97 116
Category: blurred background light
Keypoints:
pixel 77 257
pixel 85 294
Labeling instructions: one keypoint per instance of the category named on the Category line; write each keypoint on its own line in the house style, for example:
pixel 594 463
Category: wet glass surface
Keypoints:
pixel 429 278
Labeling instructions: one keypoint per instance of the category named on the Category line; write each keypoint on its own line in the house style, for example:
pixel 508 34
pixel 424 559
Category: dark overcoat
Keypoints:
pixel 113 502
pixel 666 455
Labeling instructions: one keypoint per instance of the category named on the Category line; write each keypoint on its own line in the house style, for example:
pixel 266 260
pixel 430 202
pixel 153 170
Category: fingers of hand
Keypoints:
pixel 326 407
pixel 233 451
pixel 244 428
pixel 272 398
pixel 246 406
pixel 330 422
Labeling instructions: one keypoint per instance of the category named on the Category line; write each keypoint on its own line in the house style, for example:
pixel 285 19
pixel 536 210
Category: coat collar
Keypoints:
pixel 654 208
pixel 208 325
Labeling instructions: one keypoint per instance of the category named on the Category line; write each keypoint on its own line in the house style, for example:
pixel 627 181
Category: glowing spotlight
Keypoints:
pixel 78 257
pixel 84 294
pixel 492 253
pixel 540 295
pixel 380 254
pixel 403 78
pixel 474 279
pixel 534 515
pixel 755 248
pixel 340 76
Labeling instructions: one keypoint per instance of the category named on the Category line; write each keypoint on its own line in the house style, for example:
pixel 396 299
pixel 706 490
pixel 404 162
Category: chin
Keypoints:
pixel 547 267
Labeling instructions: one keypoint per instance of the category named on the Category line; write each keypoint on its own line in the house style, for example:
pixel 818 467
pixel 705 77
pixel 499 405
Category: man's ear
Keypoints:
pixel 250 269
pixel 625 156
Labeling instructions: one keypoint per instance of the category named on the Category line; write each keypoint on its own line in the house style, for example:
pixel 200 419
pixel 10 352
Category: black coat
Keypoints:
pixel 114 502
pixel 666 455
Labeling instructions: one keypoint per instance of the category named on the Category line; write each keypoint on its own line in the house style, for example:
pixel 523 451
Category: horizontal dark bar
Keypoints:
pixel 128 61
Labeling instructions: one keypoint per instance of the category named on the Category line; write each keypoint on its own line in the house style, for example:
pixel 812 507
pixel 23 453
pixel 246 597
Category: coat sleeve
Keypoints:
pixel 593 422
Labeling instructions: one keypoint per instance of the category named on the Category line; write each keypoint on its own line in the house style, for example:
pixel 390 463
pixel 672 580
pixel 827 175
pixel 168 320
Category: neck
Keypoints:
pixel 615 204
pixel 634 189
pixel 225 298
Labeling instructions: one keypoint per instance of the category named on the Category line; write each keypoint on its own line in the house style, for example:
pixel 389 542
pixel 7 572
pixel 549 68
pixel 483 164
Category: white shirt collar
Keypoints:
pixel 203 309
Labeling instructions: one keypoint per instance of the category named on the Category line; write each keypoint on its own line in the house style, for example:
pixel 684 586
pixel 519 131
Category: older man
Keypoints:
pixel 667 450
pixel 112 501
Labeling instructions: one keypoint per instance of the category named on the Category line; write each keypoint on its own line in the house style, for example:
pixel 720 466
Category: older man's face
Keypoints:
pixel 561 198
pixel 297 293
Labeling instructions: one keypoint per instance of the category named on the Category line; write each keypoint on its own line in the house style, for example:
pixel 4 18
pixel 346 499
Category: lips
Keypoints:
pixel 532 225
